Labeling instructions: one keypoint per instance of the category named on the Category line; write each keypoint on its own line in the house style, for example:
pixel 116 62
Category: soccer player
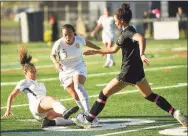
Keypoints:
pixel 43 108
pixel 67 56
pixel 107 23
pixel 132 73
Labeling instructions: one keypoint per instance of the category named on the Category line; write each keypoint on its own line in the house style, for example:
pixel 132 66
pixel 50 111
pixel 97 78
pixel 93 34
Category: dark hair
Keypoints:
pixel 124 12
pixel 69 26
pixel 25 59
pixel 108 8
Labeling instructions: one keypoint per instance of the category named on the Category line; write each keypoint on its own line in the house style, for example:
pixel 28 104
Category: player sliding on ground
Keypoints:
pixel 43 108
pixel 133 48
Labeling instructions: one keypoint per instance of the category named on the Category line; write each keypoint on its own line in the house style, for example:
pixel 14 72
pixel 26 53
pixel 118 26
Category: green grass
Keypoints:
pixel 126 105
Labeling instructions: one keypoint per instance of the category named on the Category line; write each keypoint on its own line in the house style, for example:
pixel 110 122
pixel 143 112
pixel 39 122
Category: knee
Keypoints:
pixel 102 96
pixel 152 97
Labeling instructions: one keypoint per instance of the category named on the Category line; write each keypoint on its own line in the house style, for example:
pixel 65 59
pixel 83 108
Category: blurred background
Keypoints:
pixel 30 21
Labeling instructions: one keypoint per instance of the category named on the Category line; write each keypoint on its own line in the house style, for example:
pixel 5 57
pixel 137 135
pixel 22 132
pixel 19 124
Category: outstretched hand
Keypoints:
pixel 145 60
pixel 89 52
pixel 6 115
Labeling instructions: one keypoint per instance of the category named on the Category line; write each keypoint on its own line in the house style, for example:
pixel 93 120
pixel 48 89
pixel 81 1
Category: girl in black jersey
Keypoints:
pixel 133 48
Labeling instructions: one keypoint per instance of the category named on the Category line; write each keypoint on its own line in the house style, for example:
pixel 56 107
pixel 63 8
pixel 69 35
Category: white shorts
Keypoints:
pixel 66 77
pixel 34 109
pixel 107 37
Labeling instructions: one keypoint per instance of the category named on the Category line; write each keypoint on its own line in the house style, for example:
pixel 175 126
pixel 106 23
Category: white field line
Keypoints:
pixel 98 74
pixel 38 67
pixel 135 130
pixel 122 92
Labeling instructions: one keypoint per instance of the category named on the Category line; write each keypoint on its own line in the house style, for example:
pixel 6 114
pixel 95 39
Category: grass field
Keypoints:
pixel 167 76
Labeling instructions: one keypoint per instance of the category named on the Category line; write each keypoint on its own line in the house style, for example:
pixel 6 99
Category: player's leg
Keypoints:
pixel 146 91
pixel 113 86
pixel 107 62
pixel 55 119
pixel 70 89
pixel 110 56
pixel 79 81
pixel 68 84
pixel 47 103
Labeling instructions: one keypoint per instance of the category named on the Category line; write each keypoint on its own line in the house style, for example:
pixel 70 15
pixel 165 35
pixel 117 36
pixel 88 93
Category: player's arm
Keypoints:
pixel 96 29
pixel 53 57
pixel 142 45
pixel 110 50
pixel 91 45
pixel 10 100
pixel 141 41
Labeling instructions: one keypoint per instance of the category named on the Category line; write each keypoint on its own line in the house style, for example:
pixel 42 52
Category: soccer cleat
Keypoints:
pixel 70 111
pixel 46 123
pixel 181 118
pixel 95 122
pixel 81 121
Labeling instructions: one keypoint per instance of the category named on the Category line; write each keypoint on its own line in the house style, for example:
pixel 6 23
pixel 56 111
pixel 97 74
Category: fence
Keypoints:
pixel 12 34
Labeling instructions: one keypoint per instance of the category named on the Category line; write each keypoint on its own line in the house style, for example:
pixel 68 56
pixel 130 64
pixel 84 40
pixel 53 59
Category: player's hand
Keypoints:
pixel 6 115
pixel 92 34
pixel 145 60
pixel 58 67
pixel 89 52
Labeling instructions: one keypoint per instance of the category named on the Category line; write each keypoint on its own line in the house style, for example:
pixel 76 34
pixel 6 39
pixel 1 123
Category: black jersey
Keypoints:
pixel 132 66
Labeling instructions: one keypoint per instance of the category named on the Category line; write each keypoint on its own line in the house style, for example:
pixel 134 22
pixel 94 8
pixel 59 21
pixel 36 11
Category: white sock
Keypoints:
pixel 111 56
pixel 83 96
pixel 80 105
pixel 58 107
pixel 63 122
pixel 108 57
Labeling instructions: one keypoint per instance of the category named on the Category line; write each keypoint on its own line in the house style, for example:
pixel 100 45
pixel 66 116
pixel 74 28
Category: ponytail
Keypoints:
pixel 25 59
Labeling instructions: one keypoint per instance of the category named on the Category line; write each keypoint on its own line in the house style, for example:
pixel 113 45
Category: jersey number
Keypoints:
pixel 63 54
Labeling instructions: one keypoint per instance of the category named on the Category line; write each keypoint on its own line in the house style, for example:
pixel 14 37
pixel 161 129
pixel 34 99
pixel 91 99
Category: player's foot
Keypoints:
pixel 70 111
pixel 106 65
pixel 112 63
pixel 181 118
pixel 81 121
pixel 95 122
pixel 46 123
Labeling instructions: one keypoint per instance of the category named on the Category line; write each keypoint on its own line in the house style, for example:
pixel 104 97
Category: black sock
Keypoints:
pixel 97 107
pixel 161 102
pixel 52 123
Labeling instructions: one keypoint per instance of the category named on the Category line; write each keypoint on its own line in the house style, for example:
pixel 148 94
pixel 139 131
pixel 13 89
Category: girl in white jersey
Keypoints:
pixel 41 106
pixel 107 23
pixel 67 56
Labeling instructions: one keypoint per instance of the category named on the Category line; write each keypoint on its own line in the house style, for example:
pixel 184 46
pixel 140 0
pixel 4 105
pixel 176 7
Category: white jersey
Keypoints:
pixel 108 24
pixel 70 55
pixel 33 90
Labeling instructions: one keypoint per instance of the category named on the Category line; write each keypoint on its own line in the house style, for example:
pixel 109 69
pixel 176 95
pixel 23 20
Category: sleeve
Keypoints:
pixel 125 35
pixel 55 49
pixel 82 41
pixel 99 21
pixel 21 85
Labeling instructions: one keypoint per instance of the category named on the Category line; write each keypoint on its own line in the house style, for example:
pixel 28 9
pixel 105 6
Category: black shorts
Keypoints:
pixel 131 76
